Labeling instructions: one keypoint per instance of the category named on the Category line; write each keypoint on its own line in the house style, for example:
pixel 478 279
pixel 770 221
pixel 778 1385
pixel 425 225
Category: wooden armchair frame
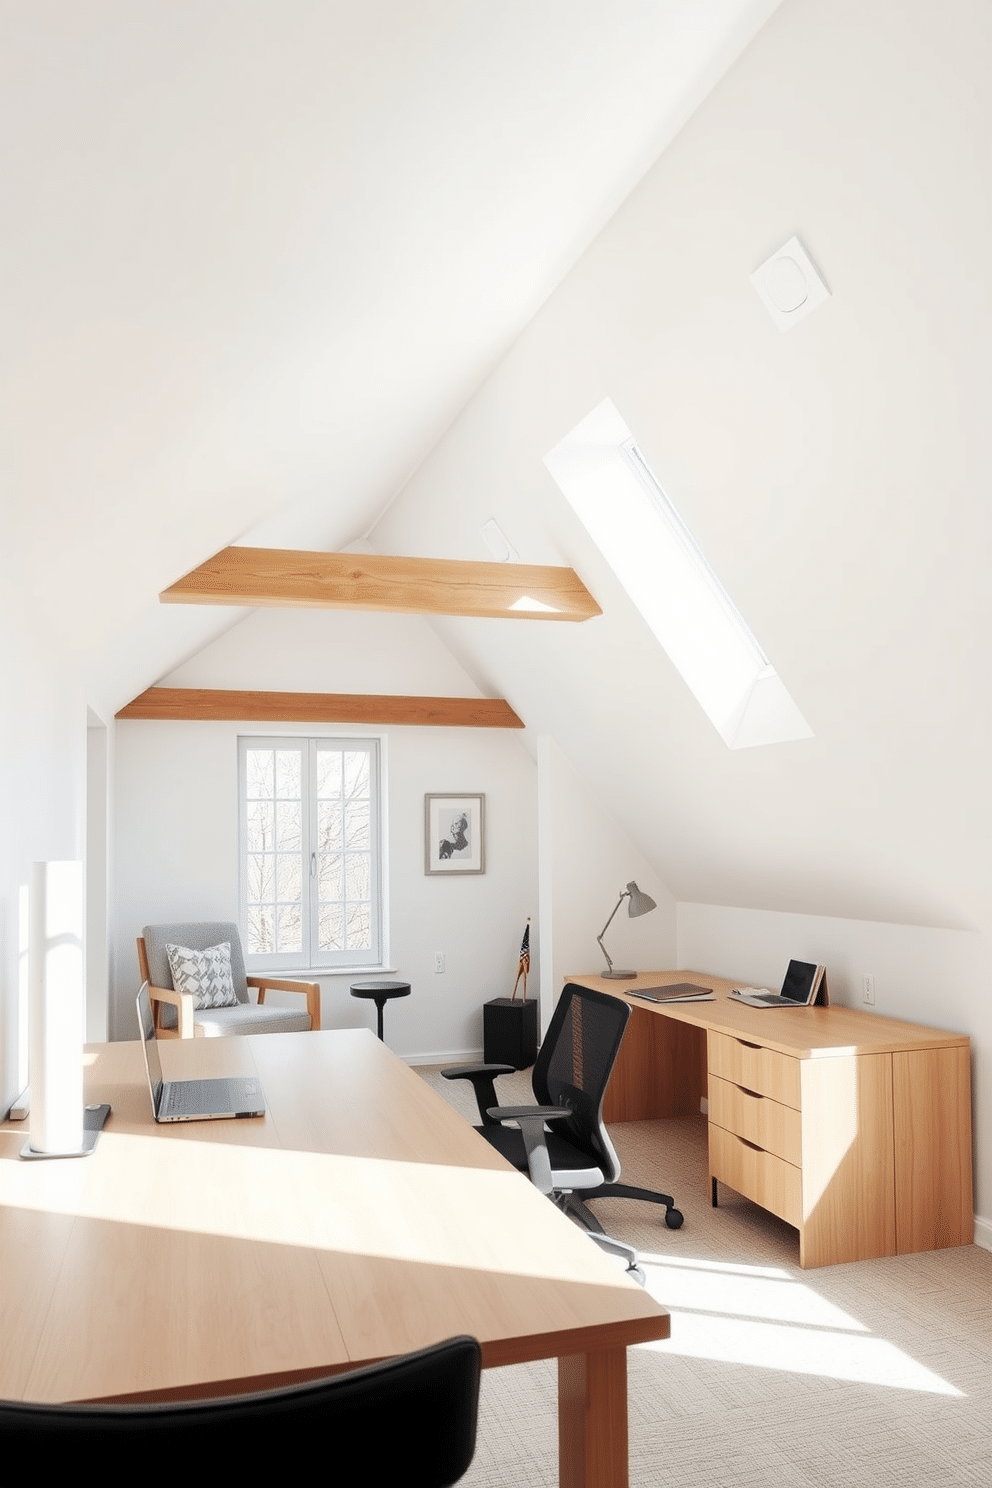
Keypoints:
pixel 183 1002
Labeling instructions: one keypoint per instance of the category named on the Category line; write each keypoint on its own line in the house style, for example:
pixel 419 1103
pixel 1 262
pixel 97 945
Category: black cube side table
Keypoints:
pixel 509 1032
pixel 380 993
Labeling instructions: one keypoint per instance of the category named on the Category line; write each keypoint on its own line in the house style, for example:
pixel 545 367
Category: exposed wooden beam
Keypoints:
pixel 223 705
pixel 408 586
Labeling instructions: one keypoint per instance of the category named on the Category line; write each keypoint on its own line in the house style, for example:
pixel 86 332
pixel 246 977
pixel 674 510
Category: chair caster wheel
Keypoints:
pixel 674 1218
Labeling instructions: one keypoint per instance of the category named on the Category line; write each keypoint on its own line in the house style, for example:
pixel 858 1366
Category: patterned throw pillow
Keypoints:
pixel 204 974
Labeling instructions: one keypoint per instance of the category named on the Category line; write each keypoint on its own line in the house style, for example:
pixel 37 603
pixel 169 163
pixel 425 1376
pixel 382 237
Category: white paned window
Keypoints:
pixel 310 852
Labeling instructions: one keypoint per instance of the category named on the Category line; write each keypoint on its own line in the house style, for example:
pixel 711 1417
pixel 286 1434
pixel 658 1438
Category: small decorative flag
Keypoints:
pixel 523 965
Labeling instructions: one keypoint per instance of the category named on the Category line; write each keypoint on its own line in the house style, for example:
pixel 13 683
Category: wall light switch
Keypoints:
pixel 438 961
pixel 868 989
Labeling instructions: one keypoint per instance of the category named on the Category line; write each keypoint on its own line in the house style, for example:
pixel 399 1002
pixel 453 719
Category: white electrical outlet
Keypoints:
pixel 438 961
pixel 868 989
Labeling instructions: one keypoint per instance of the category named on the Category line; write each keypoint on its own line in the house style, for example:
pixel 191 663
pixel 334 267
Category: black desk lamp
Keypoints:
pixel 638 904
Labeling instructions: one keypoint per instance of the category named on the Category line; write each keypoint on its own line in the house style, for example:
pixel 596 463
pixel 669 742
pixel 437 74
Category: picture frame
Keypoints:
pixel 454 833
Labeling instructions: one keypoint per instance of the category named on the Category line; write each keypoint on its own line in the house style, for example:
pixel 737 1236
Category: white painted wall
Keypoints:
pixel 327 651
pixel 97 880
pixel 835 476
pixel 176 821
pixel 585 862
pixel 42 795
pixel 937 977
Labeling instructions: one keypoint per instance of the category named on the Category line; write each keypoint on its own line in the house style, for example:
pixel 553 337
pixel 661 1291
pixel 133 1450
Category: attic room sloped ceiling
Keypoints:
pixel 257 254
pixel 260 252
pixel 295 275
pixel 836 476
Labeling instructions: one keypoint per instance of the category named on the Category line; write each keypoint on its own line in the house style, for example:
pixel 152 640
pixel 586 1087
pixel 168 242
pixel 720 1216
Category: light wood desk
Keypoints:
pixel 360 1218
pixel 854 1128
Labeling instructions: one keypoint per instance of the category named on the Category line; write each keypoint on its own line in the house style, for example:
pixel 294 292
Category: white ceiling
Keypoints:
pixel 300 273
pixel 837 477
pixel 258 253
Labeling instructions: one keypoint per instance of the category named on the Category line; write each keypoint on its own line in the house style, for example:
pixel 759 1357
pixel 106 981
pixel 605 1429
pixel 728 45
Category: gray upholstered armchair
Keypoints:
pixel 175 1013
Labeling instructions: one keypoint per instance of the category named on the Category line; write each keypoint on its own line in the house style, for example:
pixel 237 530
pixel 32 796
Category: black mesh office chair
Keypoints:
pixel 569 1082
pixel 407 1420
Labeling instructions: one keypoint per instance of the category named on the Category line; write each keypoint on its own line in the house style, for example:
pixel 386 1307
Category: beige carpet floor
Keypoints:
pixel 876 1374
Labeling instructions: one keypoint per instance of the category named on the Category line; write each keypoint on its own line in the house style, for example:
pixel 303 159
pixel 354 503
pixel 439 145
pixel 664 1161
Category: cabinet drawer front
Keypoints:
pixel 757 1118
pixel 770 1181
pixel 764 1071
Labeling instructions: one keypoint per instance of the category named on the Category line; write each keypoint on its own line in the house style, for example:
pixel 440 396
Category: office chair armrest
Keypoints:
pixel 483 1077
pixel 521 1113
pixel 310 990
pixel 531 1120
pixel 467 1071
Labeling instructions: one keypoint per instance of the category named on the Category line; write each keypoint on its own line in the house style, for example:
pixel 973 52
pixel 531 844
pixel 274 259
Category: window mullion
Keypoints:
pixel 311 839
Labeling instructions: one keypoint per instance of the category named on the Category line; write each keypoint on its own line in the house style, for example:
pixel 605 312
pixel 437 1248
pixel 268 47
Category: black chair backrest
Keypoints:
pixel 407 1420
pixel 575 1063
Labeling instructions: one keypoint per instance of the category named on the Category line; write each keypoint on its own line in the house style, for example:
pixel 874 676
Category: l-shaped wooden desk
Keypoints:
pixel 854 1128
pixel 359 1218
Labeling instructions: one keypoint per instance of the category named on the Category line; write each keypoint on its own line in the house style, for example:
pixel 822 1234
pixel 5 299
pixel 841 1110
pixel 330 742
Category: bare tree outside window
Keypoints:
pixel 310 851
pixel 344 852
pixel 274 846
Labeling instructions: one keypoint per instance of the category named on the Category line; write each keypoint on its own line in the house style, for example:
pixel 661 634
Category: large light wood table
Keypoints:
pixel 854 1128
pixel 360 1218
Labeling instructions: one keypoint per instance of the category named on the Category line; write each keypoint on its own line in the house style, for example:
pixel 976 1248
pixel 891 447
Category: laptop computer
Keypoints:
pixel 193 1100
pixel 676 992
pixel 802 982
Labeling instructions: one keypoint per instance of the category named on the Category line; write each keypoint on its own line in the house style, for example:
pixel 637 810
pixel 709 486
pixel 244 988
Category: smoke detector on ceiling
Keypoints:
pixel 789 285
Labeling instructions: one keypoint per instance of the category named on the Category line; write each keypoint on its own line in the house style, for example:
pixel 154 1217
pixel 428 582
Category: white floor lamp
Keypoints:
pixel 59 1125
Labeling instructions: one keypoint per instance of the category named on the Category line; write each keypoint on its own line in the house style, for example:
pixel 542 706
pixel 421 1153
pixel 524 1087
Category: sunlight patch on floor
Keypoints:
pixel 763 1317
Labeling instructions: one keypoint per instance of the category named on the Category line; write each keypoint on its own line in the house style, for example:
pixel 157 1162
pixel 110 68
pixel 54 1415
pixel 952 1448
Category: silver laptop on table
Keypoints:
pixel 193 1100
pixel 802 983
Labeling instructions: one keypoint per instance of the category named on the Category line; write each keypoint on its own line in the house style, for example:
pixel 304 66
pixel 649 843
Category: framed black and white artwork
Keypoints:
pixel 454 834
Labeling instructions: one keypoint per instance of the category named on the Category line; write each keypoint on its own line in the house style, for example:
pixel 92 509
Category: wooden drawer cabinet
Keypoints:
pixel 755 1124
pixel 872 1159
pixel 758 1119
pixel 931 1100
pixel 823 1162
pixel 750 1065
pixel 770 1181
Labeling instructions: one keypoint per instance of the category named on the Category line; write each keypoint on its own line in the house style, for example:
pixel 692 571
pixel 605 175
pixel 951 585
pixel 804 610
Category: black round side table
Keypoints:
pixel 380 993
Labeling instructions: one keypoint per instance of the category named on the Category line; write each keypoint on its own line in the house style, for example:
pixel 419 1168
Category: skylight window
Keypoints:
pixel 613 491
